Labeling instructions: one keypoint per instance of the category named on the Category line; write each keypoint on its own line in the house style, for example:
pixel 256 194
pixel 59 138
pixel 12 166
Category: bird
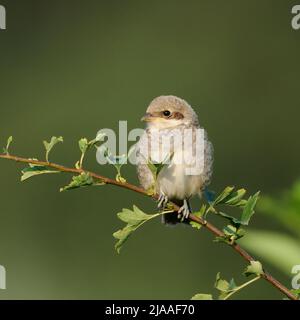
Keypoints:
pixel 187 172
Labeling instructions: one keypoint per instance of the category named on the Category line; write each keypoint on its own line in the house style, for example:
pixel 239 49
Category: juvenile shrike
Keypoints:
pixel 188 171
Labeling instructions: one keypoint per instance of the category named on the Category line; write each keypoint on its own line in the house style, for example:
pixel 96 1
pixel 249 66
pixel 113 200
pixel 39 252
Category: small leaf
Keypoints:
pixel 119 178
pixel 240 233
pixel 9 141
pixel 82 180
pixel 51 144
pixel 223 195
pixel 231 234
pixel 202 296
pixel 236 198
pixel 77 165
pixel 134 216
pixel 231 198
pixel 134 219
pixel 34 170
pixel 117 162
pixel 296 292
pixel 156 168
pixel 225 287
pixel 83 145
pixel 122 235
pixel 198 214
pixel 255 268
pixel 248 210
pixel 233 220
pixel 221 240
pixel 232 285
pixel 230 230
pixel 221 284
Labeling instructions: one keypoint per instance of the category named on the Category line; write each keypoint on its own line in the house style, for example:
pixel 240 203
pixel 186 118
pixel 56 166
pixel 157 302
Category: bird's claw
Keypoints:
pixel 184 211
pixel 162 201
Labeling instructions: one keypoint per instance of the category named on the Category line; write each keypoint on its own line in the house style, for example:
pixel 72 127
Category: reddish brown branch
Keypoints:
pixel 134 188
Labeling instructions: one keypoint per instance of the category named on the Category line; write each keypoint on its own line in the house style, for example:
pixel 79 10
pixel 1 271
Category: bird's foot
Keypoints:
pixel 184 211
pixel 162 201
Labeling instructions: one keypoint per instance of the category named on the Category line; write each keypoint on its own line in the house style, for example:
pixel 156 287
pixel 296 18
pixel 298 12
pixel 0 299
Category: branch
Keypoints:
pixel 214 230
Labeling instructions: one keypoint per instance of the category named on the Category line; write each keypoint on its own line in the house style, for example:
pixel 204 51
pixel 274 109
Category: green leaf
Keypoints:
pixel 117 161
pixel 82 180
pixel 202 296
pixel 222 240
pixel 122 235
pixel 134 216
pixel 254 268
pixel 134 219
pixel 230 197
pixel 83 145
pixel 221 284
pixel 156 168
pixel 235 221
pixel 230 230
pixel 224 286
pixel 232 285
pixel 223 195
pixel 231 234
pixel 119 178
pixel 236 198
pixel 51 144
pixel 198 214
pixel 248 210
pixel 77 165
pixel 296 292
pixel 9 141
pixel 226 289
pixel 34 170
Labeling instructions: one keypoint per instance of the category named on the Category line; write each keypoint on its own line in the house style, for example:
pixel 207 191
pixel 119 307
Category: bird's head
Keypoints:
pixel 168 112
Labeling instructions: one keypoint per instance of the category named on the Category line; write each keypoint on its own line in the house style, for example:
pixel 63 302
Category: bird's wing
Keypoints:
pixel 208 161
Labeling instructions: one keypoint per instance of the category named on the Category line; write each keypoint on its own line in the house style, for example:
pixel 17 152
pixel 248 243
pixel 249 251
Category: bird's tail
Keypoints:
pixel 171 218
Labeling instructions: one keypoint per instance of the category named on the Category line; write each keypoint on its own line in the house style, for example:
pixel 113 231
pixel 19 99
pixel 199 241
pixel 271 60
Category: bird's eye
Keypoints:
pixel 166 113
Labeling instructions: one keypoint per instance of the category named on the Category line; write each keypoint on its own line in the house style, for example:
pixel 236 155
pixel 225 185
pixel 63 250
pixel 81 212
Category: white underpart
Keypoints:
pixel 190 167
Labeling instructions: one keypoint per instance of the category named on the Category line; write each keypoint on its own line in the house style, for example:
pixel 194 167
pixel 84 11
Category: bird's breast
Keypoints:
pixel 175 183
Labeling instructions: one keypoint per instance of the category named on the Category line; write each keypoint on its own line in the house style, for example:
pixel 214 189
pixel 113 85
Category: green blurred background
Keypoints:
pixel 71 68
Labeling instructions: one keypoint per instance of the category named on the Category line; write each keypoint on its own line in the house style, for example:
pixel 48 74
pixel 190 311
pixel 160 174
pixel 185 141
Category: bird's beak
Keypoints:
pixel 148 117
